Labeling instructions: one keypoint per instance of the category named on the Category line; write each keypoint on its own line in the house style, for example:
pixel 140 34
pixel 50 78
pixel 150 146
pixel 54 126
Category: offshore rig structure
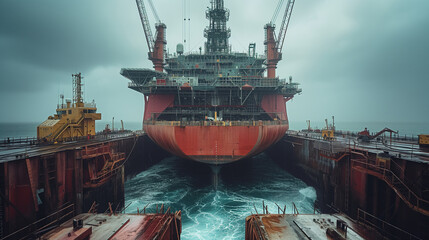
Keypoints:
pixel 72 120
pixel 214 106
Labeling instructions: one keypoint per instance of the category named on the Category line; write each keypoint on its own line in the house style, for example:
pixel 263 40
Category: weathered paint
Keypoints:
pixel 120 226
pixel 348 186
pixel 157 104
pixel 305 226
pixel 39 185
pixel 215 144
pixel 274 104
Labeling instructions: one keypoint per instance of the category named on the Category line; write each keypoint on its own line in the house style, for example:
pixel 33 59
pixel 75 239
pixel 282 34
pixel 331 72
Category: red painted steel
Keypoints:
pixel 358 186
pixel 156 104
pixel 275 104
pixel 36 186
pixel 215 144
pixel 273 56
pixel 157 56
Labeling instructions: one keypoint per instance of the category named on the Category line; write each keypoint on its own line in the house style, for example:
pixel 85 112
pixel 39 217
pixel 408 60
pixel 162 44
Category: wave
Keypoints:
pixel 210 214
pixel 309 192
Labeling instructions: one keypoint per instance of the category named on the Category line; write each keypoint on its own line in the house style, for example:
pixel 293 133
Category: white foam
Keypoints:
pixel 309 192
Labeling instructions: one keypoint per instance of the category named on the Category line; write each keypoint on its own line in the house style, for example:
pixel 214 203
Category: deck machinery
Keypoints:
pixel 214 106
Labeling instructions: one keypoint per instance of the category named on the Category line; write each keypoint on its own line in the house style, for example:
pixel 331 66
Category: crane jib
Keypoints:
pixel 146 26
pixel 285 24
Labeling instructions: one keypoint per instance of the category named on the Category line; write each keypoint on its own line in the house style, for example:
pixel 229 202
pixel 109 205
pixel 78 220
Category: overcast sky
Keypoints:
pixel 360 60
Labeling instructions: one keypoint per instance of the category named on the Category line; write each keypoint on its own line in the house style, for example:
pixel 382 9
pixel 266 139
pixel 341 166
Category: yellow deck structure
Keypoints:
pixel 72 120
pixel 424 140
pixel 329 131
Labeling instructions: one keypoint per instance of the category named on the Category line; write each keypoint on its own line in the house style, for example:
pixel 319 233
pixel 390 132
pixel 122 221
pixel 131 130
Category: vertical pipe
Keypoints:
pixel 271 51
pixel 158 51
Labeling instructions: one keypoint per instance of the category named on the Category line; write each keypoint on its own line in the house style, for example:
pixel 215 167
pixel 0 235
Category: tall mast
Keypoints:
pixel 77 88
pixel 217 33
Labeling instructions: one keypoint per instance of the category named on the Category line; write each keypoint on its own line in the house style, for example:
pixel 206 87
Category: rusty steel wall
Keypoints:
pixel 37 186
pixel 346 188
pixel 141 154
pixel 111 192
pixel 303 159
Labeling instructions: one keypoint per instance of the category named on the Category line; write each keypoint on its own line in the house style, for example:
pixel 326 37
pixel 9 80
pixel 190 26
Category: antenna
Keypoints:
pixel 62 100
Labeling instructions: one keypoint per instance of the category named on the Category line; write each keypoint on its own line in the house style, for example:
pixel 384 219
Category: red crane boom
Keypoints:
pixel 274 46
pixel 156 46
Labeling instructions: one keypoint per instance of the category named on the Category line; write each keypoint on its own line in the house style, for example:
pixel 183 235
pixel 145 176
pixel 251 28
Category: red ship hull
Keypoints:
pixel 216 144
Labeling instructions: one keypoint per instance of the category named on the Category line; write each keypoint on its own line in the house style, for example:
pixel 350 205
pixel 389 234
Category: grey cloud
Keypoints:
pixel 358 60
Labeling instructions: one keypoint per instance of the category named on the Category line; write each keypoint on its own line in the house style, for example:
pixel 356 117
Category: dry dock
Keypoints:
pixel 380 183
pixel 43 184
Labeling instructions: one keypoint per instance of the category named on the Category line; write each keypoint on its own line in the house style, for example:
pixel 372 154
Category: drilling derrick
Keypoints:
pixel 77 89
pixel 217 33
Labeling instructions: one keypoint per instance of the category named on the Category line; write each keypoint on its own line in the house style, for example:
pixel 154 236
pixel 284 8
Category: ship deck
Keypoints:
pixel 303 226
pixel 404 149
pixel 17 151
pixel 121 226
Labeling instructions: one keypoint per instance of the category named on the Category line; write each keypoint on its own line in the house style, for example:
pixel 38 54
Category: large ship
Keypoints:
pixel 214 106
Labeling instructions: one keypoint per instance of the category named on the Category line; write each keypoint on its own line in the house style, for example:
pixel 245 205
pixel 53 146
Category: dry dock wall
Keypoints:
pixel 343 182
pixel 143 154
pixel 33 187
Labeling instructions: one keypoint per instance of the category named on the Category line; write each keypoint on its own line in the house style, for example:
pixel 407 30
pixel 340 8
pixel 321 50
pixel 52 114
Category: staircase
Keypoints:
pixel 391 177
pixel 65 126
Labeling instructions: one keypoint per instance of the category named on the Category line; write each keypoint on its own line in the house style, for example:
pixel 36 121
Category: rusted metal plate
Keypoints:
pixel 303 226
pixel 69 234
pixel 121 226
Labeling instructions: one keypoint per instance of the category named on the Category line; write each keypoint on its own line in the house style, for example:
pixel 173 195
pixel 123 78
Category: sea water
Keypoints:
pixel 217 214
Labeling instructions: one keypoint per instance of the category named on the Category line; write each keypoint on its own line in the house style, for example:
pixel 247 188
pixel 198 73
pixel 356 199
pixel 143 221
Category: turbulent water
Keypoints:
pixel 208 214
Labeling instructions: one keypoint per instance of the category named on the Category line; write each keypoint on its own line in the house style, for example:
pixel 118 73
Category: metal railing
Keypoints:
pixel 35 228
pixel 96 150
pixel 414 201
pixel 19 140
pixel 384 227
pixel 204 56
pixel 105 175
pixel 232 82
pixel 215 123
pixel 86 105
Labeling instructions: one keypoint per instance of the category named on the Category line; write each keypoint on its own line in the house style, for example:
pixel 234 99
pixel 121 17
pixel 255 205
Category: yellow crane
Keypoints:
pixel 328 132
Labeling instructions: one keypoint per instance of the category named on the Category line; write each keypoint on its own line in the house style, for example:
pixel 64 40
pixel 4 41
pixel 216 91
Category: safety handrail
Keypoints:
pixel 411 198
pixel 383 226
pixel 57 217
